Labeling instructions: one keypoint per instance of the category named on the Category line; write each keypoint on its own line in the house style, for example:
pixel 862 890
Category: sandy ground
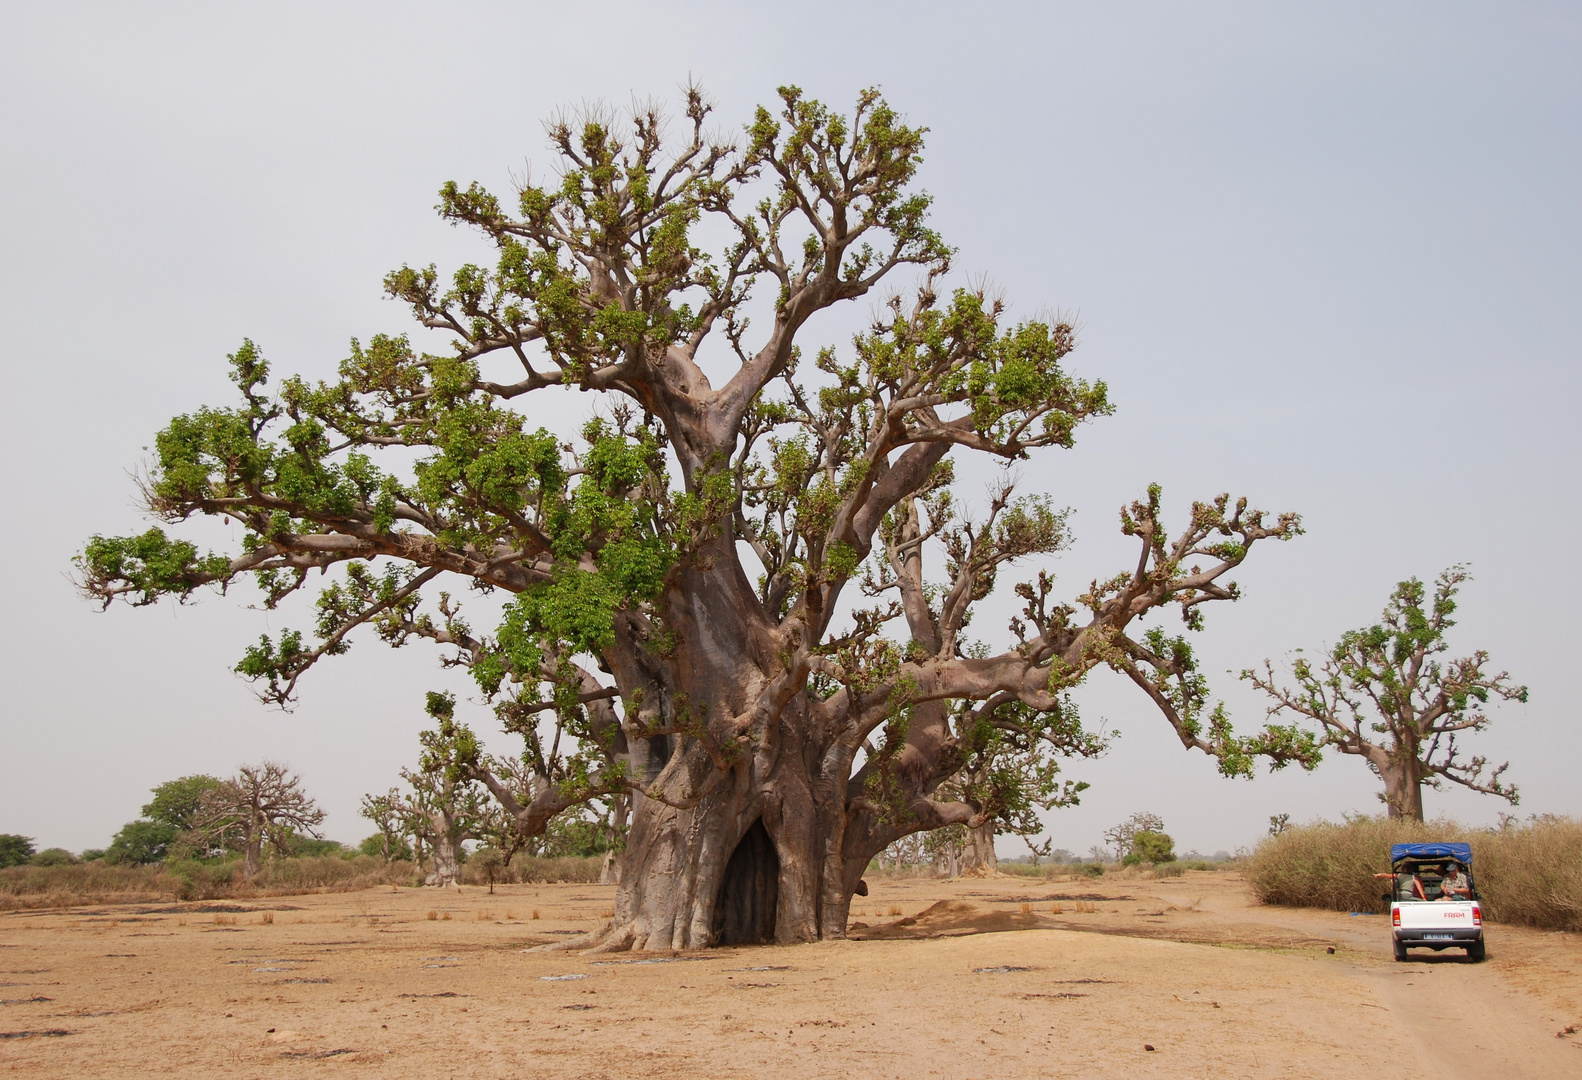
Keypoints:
pixel 972 978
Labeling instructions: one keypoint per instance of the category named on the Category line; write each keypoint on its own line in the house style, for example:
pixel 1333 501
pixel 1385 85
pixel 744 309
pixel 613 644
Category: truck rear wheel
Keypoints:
pixel 1400 951
pixel 1477 951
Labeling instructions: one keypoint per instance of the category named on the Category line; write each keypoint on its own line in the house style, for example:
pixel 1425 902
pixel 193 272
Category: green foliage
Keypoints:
pixel 177 802
pixel 573 835
pixel 142 569
pixel 15 850
pixel 311 847
pixel 1011 762
pixel 54 857
pixel 374 845
pixel 141 842
pixel 1150 847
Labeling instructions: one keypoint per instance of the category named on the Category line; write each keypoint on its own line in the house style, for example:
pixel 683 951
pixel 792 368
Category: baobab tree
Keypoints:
pixel 1011 770
pixel 445 806
pixel 685 580
pixel 1383 694
pixel 259 805
pixel 599 827
pixel 389 814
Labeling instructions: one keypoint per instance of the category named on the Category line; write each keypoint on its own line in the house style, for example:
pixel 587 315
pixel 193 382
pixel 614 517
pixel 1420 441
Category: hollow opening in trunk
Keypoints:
pixel 744 911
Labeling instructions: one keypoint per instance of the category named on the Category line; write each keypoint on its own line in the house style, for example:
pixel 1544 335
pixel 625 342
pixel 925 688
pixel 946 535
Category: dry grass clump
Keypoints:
pixel 1532 874
pixel 92 882
pixel 104 883
pixel 1526 873
pixel 531 870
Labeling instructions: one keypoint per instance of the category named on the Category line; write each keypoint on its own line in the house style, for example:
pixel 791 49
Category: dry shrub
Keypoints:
pixel 532 870
pixel 85 883
pixel 1532 874
pixel 1529 874
pixel 105 883
pixel 432 916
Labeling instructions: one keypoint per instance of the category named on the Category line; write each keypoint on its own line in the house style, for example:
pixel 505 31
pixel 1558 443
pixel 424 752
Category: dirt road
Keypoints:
pixel 962 979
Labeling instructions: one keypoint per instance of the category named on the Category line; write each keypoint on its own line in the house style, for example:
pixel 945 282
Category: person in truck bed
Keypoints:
pixel 1455 885
pixel 1410 886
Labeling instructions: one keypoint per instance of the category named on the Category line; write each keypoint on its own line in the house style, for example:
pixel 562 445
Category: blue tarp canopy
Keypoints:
pixel 1462 853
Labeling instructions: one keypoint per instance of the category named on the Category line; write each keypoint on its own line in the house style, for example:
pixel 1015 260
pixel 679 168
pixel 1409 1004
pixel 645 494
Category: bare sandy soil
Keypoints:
pixel 973 978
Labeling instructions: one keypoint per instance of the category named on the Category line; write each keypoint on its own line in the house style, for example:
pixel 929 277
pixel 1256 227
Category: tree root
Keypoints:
pixel 619 941
pixel 604 939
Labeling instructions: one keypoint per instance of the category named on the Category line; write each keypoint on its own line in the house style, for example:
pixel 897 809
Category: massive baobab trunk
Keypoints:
pixel 1403 787
pixel 252 853
pixel 447 850
pixel 980 857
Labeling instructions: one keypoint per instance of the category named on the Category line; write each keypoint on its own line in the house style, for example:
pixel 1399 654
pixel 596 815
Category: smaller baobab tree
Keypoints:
pixel 598 828
pixel 1384 694
pixel 388 812
pixel 260 805
pixel 1010 770
pixel 446 806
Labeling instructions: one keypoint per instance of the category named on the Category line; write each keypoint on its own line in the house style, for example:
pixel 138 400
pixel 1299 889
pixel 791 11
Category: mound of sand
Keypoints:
pixel 948 918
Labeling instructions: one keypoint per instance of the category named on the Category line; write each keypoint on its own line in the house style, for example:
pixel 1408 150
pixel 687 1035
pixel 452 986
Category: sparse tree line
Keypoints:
pixel 259 812
pixel 459 794
pixel 740 603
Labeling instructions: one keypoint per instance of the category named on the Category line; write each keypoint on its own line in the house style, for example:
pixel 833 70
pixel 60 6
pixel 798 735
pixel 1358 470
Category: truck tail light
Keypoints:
pixel 1477 915
pixel 1395 916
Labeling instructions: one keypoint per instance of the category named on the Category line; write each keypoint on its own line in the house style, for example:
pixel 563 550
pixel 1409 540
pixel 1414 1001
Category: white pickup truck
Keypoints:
pixel 1433 901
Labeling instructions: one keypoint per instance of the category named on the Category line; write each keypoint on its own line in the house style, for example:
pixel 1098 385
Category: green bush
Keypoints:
pixel 54 856
pixel 1092 869
pixel 1154 847
pixel 141 842
pixel 1528 874
pixel 15 850
pixel 374 845
pixel 309 847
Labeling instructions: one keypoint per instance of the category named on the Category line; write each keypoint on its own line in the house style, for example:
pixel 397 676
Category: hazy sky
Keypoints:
pixel 1330 258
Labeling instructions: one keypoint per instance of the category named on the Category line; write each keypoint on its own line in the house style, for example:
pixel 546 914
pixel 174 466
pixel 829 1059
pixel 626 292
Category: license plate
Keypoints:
pixel 1436 937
